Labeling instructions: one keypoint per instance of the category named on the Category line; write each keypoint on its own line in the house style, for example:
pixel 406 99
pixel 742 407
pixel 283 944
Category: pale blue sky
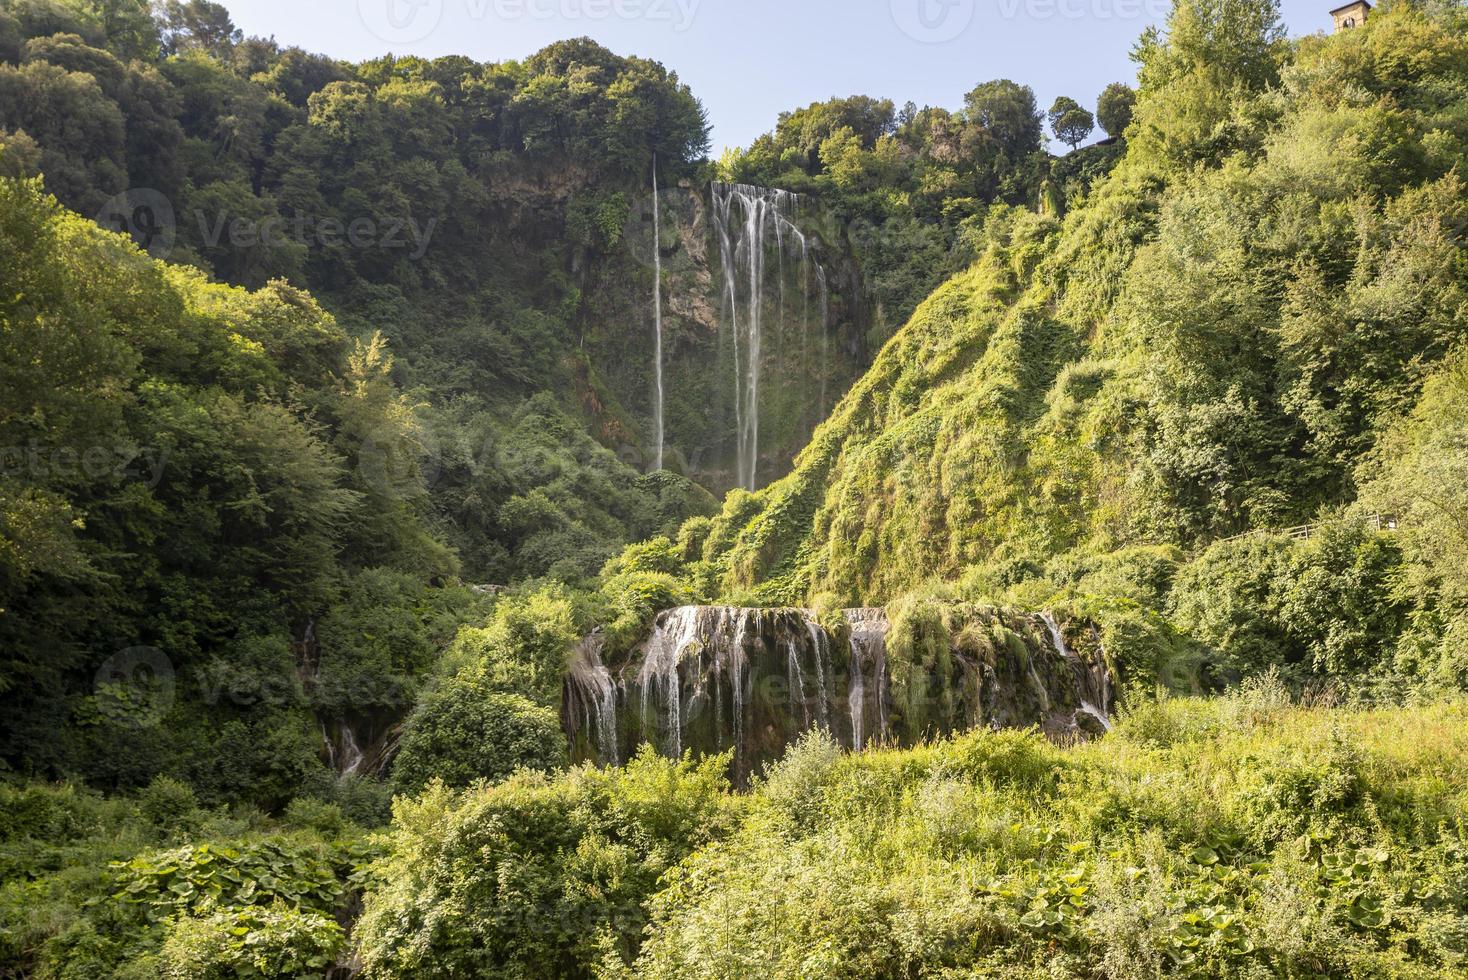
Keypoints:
pixel 750 59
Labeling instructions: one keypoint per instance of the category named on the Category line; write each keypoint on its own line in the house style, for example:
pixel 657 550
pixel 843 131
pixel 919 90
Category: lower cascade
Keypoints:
pixel 711 679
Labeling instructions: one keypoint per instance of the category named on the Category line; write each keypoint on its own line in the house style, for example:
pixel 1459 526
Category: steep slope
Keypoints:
pixel 1210 345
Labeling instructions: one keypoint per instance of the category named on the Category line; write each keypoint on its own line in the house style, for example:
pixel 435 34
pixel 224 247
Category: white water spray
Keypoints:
pixel 1093 683
pixel 657 306
pixel 744 242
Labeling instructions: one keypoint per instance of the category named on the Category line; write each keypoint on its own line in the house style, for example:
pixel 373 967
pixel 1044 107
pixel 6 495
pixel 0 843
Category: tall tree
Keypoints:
pixel 1114 108
pixel 1070 121
pixel 1007 112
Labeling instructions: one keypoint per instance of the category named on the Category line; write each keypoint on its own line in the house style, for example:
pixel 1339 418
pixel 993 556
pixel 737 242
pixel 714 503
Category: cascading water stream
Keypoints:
pixel 868 644
pixel 795 677
pixel 825 335
pixel 659 430
pixel 823 668
pixel 598 696
pixel 1090 685
pixel 721 678
pixel 764 222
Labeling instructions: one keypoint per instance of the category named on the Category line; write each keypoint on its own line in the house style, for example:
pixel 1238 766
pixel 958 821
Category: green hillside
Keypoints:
pixel 1248 326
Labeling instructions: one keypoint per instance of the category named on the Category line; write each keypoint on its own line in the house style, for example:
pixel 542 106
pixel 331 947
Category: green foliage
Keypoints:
pixel 101 887
pixel 535 869
pixel 171 498
pixel 1324 609
pixel 251 942
pixel 465 730
pixel 1417 475
pixel 1114 108
pixel 199 877
pixel 384 634
pixel 1277 842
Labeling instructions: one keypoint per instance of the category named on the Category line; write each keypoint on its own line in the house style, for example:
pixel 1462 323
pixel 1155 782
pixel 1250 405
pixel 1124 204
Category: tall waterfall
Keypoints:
pixel 751 224
pixel 869 629
pixel 659 431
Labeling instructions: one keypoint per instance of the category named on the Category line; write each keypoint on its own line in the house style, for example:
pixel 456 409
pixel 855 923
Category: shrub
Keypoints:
pixel 535 869
pixel 169 804
pixel 238 943
pixel 466 730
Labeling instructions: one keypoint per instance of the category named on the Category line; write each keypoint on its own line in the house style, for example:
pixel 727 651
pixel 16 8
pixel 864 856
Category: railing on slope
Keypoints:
pixel 1386 523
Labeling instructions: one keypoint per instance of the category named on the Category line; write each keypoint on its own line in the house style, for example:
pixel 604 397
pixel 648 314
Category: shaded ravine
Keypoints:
pixel 714 678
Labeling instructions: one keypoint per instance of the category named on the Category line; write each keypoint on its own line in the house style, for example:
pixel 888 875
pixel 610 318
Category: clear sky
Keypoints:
pixel 750 59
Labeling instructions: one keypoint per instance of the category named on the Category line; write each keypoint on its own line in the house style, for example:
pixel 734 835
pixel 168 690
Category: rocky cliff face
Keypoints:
pixel 713 678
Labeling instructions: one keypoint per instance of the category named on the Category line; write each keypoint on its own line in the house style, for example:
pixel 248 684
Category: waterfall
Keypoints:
pixel 673 634
pixel 856 704
pixel 825 293
pixel 821 645
pixel 597 694
pixel 1093 683
pixel 745 240
pixel 657 306
pixel 720 678
pixel 352 755
pixel 868 643
pixel 795 677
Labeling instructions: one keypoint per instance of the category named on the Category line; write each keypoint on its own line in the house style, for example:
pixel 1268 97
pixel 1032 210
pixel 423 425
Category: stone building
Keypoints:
pixel 1351 15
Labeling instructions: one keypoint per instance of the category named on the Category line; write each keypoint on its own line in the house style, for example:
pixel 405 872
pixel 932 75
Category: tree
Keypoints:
pixel 1007 112
pixel 1070 121
pixel 1114 108
pixel 198 26
pixel 466 731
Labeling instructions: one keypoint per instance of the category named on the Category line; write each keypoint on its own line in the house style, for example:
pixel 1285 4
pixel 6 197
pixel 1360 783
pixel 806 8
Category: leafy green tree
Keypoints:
pixel 466 730
pixel 1005 112
pixel 1114 108
pixel 198 25
pixel 1070 122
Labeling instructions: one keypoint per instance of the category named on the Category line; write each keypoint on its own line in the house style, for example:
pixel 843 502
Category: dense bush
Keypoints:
pixel 536 876
pixel 93 887
pixel 466 730
pixel 1271 841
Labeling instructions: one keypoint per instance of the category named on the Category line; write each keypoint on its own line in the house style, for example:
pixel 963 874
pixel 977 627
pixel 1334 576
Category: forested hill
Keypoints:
pixel 469 213
pixel 1249 325
pixel 393 332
